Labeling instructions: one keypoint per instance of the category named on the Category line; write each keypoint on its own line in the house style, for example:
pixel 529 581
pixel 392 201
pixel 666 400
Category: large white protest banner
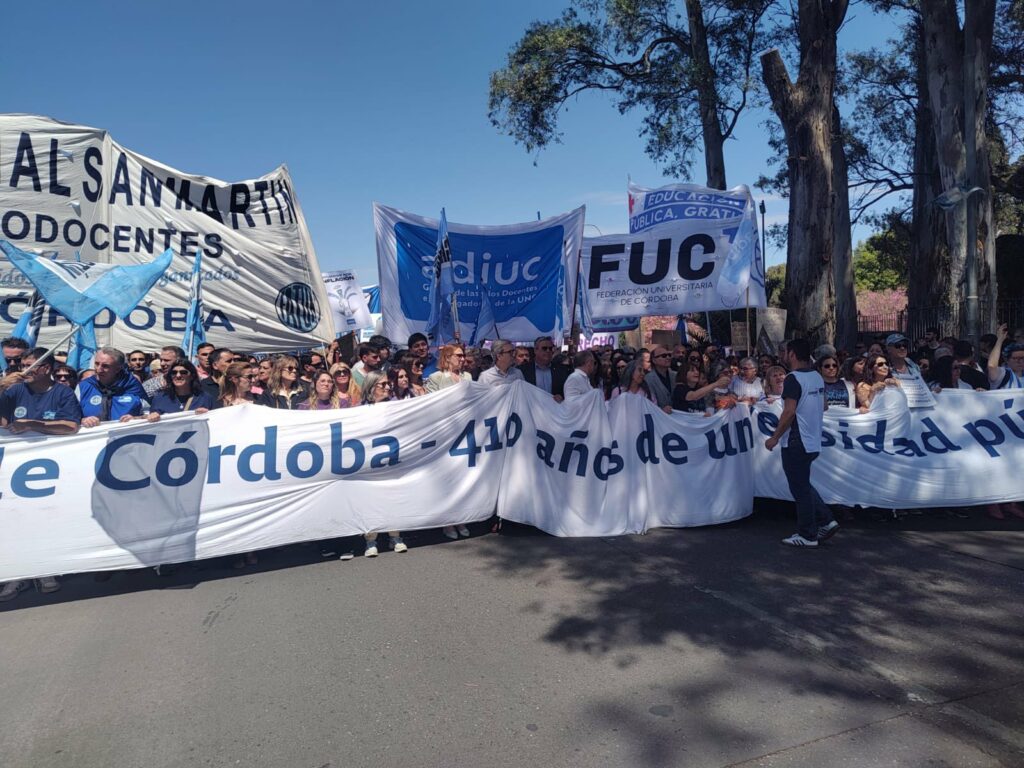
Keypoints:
pixel 690 249
pixel 967 450
pixel 246 478
pixel 70 189
pixel 524 268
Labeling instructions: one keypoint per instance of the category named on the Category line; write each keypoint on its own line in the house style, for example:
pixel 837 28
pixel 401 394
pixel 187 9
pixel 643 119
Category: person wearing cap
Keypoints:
pixel 897 348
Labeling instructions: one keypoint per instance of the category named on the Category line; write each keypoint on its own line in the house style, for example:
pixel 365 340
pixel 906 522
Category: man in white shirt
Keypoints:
pixel 578 383
pixel 799 430
pixel 503 371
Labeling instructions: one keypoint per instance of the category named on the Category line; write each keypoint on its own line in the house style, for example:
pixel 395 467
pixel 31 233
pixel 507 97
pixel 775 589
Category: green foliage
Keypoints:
pixel 880 262
pixel 775 285
pixel 639 52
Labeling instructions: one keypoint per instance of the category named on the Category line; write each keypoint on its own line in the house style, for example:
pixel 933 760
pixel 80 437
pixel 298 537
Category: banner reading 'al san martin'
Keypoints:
pixel 690 249
pixel 71 189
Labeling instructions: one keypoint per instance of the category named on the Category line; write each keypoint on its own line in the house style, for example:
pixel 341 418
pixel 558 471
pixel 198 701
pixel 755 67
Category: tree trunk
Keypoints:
pixel 805 110
pixel 979 24
pixel 945 67
pixel 842 250
pixel 929 268
pixel 707 95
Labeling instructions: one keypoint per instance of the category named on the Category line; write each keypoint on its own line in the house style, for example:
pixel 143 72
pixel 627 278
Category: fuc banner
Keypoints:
pixel 690 249
pixel 523 267
pixel 71 189
pixel 246 478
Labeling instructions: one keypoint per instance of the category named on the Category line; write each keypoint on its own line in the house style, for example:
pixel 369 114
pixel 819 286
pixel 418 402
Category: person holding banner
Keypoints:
pixel 876 377
pixel 283 389
pixel 633 382
pixel 799 430
pixel 377 389
pixel 504 370
pixel 541 373
pixel 113 394
pixel 38 404
pixel 450 370
pixel 183 392
pixel 348 391
pixel 662 379
pixel 578 384
pixel 1012 375
pixel 693 392
pixel 236 386
pixel 323 395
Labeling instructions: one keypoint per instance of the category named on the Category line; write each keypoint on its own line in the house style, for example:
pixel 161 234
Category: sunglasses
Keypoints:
pixel 694 359
pixel 63 377
pixel 545 349
pixel 881 365
pixel 179 372
pixel 900 345
pixel 384 385
pixel 829 365
pixel 663 354
pixel 13 360
pixel 291 368
pixel 342 373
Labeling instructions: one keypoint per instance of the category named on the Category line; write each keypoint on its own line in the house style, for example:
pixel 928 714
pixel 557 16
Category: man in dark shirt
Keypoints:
pixel 38 404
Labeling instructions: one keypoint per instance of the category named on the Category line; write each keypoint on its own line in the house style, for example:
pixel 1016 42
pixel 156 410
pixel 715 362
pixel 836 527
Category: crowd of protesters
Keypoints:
pixel 53 398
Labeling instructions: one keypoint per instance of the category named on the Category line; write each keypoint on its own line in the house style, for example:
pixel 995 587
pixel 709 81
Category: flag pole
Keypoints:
pixel 455 316
pixel 573 328
pixel 54 348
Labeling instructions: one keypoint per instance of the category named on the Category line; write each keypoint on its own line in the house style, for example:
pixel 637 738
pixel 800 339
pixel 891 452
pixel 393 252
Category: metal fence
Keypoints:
pixel 913 322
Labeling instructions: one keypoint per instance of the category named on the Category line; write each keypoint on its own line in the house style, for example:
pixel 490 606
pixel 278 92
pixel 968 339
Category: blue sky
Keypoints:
pixel 363 101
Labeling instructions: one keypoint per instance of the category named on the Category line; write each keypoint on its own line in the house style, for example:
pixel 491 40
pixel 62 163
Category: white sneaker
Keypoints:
pixel 11 589
pixel 48 584
pixel 796 540
pixel 450 532
pixel 398 545
pixel 827 531
pixel 463 531
pixel 371 549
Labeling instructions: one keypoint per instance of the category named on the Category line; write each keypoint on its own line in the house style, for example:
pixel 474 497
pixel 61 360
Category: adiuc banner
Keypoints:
pixel 689 249
pixel 347 300
pixel 523 268
pixel 70 190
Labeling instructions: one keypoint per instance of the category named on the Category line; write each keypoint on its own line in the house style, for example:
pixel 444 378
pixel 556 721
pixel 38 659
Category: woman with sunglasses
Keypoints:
pixel 876 377
pixel 837 390
pixel 182 392
pixel 349 393
pixel 236 386
pixel 414 367
pixel 449 371
pixel 65 375
pixel 377 389
pixel 283 390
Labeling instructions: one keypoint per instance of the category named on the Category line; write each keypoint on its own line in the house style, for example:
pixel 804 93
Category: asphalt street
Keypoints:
pixel 899 643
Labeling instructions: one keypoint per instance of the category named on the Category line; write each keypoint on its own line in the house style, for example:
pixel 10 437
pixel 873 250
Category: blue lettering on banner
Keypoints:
pixel 521 272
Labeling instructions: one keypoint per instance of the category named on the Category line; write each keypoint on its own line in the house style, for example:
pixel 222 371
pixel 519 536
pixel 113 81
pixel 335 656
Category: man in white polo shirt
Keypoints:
pixel 799 430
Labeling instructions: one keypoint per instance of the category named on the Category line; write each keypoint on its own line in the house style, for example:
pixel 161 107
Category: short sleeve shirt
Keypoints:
pixel 58 403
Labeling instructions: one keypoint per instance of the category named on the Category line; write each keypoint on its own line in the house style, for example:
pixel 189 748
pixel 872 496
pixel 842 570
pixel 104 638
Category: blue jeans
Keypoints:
pixel 811 511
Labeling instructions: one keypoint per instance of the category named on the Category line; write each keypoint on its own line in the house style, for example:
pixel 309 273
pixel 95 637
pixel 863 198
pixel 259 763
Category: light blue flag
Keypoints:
pixel 440 323
pixel 83 343
pixel 31 320
pixel 83 347
pixel 486 326
pixel 195 332
pixel 81 290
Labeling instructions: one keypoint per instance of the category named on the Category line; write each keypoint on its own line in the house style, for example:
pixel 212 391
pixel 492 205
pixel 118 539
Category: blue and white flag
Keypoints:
pixel 528 268
pixel 441 323
pixel 31 320
pixel 486 326
pixel 195 331
pixel 81 290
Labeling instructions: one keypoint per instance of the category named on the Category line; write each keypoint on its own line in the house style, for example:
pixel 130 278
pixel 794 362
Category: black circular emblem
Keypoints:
pixel 297 307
